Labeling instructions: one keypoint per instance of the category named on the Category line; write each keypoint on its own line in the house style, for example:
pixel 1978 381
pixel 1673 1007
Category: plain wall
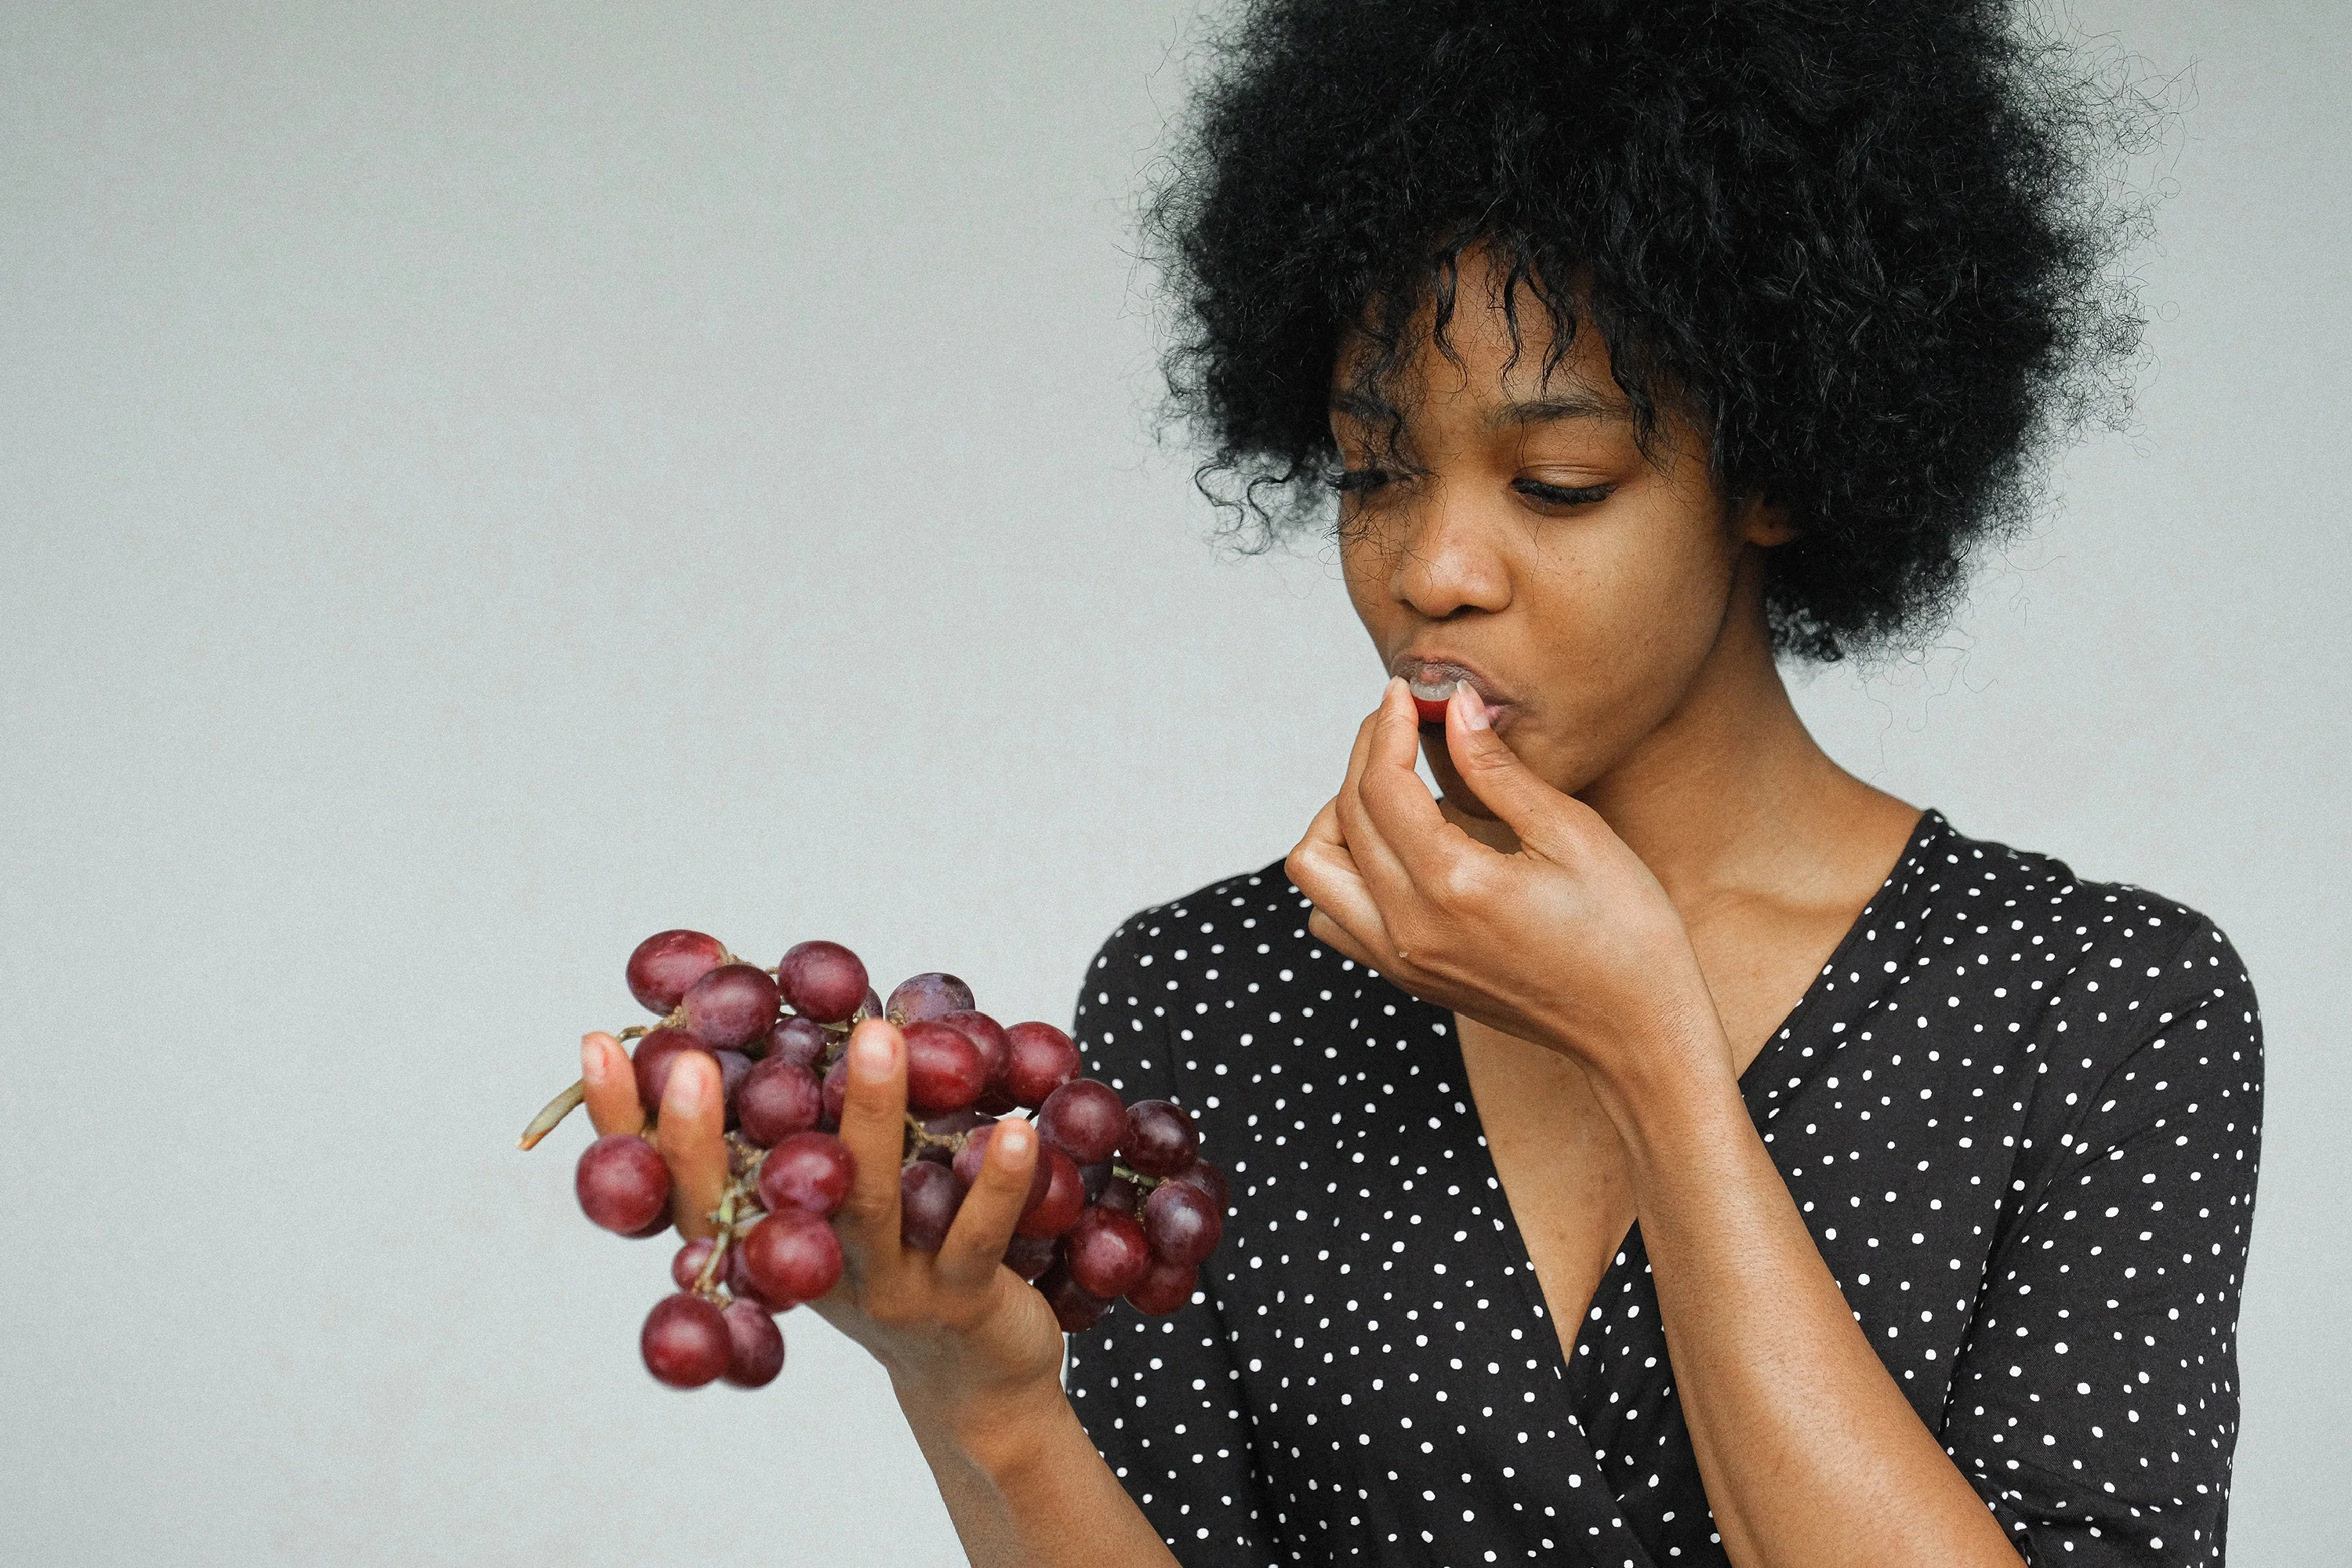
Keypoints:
pixel 479 484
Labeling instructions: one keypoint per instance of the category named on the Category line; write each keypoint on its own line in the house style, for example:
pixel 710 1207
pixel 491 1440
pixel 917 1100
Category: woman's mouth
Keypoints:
pixel 1432 683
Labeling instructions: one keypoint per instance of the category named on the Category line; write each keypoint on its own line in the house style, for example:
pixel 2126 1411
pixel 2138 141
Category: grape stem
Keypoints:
pixel 553 1113
pixel 707 1281
pixel 1142 1181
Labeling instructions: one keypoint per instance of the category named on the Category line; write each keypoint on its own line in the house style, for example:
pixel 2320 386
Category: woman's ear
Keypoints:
pixel 1764 525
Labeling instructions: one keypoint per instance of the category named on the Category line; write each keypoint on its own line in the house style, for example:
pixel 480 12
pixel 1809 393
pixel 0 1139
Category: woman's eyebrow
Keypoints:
pixel 1547 410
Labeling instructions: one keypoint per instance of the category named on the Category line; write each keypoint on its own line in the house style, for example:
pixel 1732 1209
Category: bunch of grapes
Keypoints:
pixel 1121 1205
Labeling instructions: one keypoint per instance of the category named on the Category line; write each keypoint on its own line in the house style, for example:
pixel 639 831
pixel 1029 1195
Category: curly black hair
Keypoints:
pixel 1867 248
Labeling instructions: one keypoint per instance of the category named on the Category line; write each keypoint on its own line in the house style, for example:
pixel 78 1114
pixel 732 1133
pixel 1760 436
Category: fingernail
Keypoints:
pixel 592 1062
pixel 1014 1136
pixel 1473 706
pixel 687 1093
pixel 870 1055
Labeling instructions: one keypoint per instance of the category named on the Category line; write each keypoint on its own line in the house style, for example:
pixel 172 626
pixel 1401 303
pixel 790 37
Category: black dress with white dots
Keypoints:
pixel 2019 1111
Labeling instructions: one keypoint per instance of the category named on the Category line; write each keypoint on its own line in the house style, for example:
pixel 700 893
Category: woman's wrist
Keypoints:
pixel 1000 1433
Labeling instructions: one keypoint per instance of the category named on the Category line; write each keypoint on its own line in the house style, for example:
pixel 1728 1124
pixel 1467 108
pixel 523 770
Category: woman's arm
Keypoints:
pixel 973 1353
pixel 1810 1452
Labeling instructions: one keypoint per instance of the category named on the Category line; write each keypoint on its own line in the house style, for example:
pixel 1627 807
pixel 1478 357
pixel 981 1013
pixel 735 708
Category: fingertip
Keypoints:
pixel 1013 1143
pixel 693 1087
pixel 1467 708
pixel 873 1051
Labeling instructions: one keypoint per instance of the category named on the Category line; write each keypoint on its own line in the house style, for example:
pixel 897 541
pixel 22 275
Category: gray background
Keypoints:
pixel 482 484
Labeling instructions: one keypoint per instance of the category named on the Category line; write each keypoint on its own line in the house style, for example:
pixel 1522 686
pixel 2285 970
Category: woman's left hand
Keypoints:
pixel 1568 941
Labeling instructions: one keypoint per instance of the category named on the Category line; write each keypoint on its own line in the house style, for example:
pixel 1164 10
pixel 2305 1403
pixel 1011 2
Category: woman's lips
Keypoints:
pixel 1433 680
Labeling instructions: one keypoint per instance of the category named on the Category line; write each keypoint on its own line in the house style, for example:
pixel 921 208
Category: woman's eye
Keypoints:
pixel 1561 495
pixel 1358 481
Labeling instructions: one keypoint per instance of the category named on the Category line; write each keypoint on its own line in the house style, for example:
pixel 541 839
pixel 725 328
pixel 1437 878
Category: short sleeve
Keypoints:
pixel 1160 1396
pixel 2096 1404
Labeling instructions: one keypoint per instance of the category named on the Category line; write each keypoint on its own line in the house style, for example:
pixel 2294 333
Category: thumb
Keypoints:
pixel 1492 772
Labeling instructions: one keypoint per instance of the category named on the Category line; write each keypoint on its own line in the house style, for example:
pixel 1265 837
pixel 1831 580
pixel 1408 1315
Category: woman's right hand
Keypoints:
pixel 969 1346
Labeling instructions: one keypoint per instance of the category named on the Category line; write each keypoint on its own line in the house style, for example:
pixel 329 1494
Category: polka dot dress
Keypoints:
pixel 2019 1111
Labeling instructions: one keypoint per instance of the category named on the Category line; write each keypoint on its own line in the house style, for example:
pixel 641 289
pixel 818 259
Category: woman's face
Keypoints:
pixel 1525 543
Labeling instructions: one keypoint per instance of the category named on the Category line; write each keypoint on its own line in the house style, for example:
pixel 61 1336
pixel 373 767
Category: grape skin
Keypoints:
pixel 928 1197
pixel 686 1342
pixel 1041 1059
pixel 945 1070
pixel 1182 1224
pixel 1160 1139
pixel 799 1042
pixel 621 1182
pixel 927 996
pixel 732 1005
pixel 1164 1288
pixel 808 1170
pixel 755 1346
pixel 822 980
pixel 791 1257
pixel 1064 1199
pixel 777 1099
pixel 667 963
pixel 1107 1253
pixel 1084 1119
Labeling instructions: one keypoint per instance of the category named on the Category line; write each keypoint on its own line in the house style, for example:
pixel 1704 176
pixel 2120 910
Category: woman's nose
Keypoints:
pixel 1449 559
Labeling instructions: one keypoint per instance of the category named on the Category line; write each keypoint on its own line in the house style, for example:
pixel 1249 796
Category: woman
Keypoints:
pixel 1660 1145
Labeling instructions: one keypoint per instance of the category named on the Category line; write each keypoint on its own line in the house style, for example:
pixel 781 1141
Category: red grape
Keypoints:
pixel 1160 1139
pixel 945 1070
pixel 798 1041
pixel 995 1045
pixel 1210 1180
pixel 1030 1256
pixel 669 961
pixel 737 1276
pixel 996 1100
pixel 651 1228
pixel 1121 1196
pixel 1075 1308
pixel 755 1346
pixel 1107 1252
pixel 808 1170
pixel 732 1005
pixel 1182 1224
pixel 621 1182
pixel 822 980
pixel 1066 1197
pixel 777 1101
pixel 1097 1177
pixel 684 1341
pixel 1041 1060
pixel 656 1053
pixel 928 1197
pixel 927 996
pixel 686 1267
pixel 869 1008
pixel 837 1092
pixel 791 1257
pixel 734 1067
pixel 1083 1119
pixel 1164 1288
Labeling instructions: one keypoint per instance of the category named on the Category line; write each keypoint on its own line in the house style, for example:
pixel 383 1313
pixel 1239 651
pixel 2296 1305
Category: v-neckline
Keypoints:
pixel 1930 825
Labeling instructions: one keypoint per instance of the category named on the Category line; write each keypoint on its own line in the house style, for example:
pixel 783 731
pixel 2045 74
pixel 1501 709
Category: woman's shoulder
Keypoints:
pixel 1999 894
pixel 1249 915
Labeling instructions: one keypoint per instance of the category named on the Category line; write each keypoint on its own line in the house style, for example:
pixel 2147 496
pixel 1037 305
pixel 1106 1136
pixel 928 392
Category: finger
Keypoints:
pixel 873 1125
pixel 610 1081
pixel 693 1141
pixel 1401 816
pixel 1401 838
pixel 1492 772
pixel 969 1258
pixel 1323 868
pixel 1331 934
